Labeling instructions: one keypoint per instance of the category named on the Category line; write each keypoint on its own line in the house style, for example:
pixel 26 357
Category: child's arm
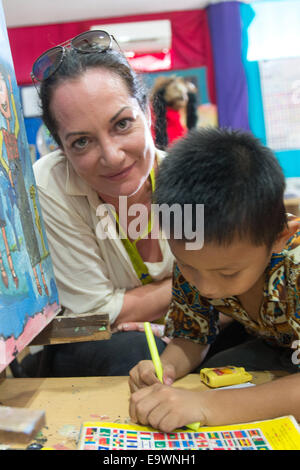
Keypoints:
pixel 180 357
pixel 167 408
pixel 184 355
pixel 276 398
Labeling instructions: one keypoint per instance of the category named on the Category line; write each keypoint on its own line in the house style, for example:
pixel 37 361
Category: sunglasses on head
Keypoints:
pixel 85 43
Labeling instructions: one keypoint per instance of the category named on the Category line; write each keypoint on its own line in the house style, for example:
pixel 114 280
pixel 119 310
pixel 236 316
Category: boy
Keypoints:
pixel 248 269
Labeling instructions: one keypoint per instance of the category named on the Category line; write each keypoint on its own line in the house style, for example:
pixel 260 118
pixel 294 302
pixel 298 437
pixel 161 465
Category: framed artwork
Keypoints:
pixel 28 293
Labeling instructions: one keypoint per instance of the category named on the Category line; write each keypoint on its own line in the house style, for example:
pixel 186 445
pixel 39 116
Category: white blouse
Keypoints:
pixel 92 274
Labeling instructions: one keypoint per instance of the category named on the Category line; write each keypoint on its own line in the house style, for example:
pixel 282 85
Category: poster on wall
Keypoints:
pixel 280 86
pixel 28 293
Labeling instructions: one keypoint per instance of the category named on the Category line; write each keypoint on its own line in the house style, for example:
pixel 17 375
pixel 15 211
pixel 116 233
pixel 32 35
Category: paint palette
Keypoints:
pixel 281 433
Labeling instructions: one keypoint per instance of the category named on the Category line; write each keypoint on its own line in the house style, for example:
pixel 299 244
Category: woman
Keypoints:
pixel 96 110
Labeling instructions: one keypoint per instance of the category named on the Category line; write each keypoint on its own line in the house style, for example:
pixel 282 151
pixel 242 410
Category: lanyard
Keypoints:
pixel 130 247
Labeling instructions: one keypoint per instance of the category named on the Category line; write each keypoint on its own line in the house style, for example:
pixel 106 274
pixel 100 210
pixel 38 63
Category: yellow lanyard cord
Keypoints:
pixel 130 247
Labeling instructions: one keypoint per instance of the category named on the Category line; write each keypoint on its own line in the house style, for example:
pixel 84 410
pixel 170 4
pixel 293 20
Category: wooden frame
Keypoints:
pixel 75 328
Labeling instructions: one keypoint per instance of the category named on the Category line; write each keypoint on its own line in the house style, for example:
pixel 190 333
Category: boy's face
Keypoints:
pixel 222 271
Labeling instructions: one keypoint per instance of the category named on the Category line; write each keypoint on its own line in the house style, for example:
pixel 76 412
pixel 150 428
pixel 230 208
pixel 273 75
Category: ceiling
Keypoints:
pixel 34 12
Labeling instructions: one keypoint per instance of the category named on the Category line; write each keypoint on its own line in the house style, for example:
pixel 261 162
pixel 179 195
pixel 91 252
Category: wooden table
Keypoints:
pixel 68 402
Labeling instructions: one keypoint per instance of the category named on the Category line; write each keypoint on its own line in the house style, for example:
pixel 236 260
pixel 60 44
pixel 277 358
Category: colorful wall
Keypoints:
pixel 271 32
pixel 220 38
pixel 247 39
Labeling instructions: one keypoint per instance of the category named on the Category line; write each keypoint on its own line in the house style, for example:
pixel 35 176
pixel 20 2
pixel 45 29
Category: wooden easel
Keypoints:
pixel 73 329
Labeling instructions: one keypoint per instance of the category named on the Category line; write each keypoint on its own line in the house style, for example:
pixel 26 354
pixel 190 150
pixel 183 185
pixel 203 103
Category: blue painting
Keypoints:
pixel 28 293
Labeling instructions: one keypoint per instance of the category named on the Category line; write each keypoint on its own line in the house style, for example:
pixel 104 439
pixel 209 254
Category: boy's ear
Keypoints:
pixel 283 237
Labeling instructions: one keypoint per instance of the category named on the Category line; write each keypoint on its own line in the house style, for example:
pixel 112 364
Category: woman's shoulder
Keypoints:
pixel 50 167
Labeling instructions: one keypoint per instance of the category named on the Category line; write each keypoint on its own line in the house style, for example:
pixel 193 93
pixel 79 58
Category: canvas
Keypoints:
pixel 28 293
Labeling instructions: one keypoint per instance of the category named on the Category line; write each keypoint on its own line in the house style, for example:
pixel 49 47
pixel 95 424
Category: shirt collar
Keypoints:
pixel 275 288
pixel 76 186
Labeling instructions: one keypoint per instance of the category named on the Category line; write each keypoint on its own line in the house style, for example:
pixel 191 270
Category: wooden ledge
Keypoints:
pixel 75 328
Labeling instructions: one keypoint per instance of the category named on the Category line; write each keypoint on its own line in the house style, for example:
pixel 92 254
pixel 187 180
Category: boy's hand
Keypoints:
pixel 143 375
pixel 166 408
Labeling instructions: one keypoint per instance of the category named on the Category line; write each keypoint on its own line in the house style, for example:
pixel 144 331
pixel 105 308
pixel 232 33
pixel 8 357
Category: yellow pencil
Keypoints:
pixel 157 363
pixel 153 351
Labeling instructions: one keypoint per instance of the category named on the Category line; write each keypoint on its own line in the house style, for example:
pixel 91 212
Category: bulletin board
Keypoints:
pixel 258 110
pixel 280 87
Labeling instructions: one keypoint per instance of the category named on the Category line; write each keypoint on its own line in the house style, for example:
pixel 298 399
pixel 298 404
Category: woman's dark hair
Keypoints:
pixel 75 64
pixel 239 181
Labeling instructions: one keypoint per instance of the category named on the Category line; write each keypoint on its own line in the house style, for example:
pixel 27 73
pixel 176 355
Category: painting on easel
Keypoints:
pixel 28 294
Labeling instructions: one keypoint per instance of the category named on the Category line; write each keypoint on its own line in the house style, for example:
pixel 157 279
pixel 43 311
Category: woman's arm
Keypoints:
pixel 146 303
pixel 184 355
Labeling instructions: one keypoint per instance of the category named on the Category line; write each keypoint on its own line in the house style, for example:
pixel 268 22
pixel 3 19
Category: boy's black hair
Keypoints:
pixel 239 181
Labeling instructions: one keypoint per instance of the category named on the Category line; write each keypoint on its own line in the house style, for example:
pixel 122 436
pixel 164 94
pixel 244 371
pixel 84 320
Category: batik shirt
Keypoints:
pixel 194 317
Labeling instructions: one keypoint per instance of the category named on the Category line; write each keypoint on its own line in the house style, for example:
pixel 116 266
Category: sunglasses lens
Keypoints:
pixel 47 63
pixel 92 41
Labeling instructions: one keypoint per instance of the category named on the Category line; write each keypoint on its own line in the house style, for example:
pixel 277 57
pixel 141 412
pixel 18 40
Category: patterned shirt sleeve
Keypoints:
pixel 190 316
pixel 293 270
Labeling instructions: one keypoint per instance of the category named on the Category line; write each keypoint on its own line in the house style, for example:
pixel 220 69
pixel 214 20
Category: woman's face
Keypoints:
pixel 104 133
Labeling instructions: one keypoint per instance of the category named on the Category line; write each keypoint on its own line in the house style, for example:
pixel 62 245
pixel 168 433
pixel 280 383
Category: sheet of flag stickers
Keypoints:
pixel 264 435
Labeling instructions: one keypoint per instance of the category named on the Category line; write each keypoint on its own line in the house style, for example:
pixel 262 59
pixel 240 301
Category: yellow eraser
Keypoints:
pixel 224 376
